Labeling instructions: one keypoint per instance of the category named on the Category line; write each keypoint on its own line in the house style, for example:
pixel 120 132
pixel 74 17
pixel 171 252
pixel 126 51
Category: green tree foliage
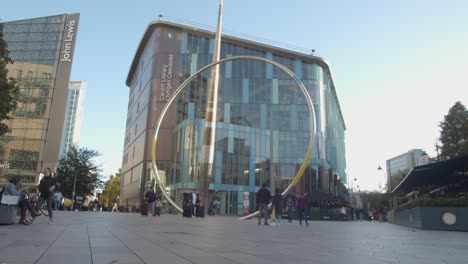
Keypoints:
pixel 397 178
pixel 112 188
pixel 454 132
pixel 79 162
pixel 375 200
pixel 9 92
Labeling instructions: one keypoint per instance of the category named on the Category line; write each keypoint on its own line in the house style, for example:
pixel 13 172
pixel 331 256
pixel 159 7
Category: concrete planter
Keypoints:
pixel 8 214
pixel 434 218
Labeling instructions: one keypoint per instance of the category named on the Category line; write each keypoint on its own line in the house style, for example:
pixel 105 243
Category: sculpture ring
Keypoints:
pixel 188 80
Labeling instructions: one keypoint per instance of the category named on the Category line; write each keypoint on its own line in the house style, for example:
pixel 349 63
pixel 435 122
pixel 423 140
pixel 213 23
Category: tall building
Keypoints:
pixel 42 50
pixel 262 129
pixel 73 116
pixel 403 163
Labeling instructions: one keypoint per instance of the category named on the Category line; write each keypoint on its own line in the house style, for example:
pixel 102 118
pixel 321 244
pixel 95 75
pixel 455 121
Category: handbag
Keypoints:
pixel 10 199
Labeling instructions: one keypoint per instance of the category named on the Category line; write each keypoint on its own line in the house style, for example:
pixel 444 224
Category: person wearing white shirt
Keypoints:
pixel 194 203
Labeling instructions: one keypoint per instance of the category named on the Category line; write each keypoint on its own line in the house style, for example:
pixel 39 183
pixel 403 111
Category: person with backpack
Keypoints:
pixel 277 202
pixel 47 186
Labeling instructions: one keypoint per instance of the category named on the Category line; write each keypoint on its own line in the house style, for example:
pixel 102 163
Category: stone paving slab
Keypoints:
pixel 104 237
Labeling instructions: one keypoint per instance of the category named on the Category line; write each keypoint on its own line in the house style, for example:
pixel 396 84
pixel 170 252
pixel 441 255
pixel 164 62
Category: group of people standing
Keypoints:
pixel 264 198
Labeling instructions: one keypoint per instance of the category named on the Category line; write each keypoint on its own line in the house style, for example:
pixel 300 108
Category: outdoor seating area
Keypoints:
pixel 433 196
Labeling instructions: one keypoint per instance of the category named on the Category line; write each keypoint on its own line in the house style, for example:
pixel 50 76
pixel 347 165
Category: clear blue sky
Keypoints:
pixel 398 66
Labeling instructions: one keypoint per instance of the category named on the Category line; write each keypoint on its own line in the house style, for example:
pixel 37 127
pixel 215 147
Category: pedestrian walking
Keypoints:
pixel 150 198
pixel 96 205
pixel 193 204
pixel 291 204
pixel 211 208
pixel 58 197
pixel 216 205
pixel 277 202
pixel 46 187
pixel 157 207
pixel 115 206
pixel 263 199
pixel 303 208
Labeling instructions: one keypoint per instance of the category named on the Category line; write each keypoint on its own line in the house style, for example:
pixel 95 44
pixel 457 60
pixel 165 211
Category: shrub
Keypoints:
pixel 436 202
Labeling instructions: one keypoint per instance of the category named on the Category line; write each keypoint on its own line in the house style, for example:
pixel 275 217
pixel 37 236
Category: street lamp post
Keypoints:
pixel 352 191
pixel 382 188
pixel 73 193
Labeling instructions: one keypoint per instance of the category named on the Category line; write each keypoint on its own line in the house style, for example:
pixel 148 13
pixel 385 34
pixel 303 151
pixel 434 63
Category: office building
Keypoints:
pixel 42 50
pixel 262 127
pixel 403 163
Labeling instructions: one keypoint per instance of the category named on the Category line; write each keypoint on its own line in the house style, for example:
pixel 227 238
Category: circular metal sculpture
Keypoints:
pixel 188 80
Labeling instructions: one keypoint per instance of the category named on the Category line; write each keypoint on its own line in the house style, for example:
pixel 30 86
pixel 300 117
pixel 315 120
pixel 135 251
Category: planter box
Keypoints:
pixel 8 214
pixel 434 218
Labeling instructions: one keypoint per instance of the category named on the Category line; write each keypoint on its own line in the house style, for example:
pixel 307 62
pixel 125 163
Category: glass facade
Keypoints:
pixel 35 47
pixel 72 123
pixel 262 129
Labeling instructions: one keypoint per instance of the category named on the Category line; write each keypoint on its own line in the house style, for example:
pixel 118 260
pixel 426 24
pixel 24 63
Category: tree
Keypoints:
pixel 454 132
pixel 374 199
pixel 397 178
pixel 79 163
pixel 111 189
pixel 9 92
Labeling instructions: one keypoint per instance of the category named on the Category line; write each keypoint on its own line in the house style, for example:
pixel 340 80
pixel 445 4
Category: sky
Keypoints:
pixel 397 66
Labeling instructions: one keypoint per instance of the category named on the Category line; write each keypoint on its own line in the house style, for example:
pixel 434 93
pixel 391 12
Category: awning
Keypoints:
pixel 322 197
pixel 437 174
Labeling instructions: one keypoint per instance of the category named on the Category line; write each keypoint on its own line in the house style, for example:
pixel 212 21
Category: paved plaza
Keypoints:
pixel 104 237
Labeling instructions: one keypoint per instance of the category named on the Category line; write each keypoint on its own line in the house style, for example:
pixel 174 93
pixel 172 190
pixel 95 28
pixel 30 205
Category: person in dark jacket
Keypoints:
pixel 291 205
pixel 263 199
pixel 303 208
pixel 47 187
pixel 277 202
pixel 150 198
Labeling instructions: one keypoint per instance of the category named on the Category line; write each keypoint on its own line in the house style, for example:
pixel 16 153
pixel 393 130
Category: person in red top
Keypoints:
pixel 303 208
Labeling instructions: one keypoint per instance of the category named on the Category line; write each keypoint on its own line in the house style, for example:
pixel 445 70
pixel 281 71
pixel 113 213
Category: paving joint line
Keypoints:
pixel 157 244
pixel 201 249
pixel 89 243
pixel 107 227
pixel 43 253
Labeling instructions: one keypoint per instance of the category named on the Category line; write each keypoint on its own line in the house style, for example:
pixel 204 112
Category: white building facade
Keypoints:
pixel 73 116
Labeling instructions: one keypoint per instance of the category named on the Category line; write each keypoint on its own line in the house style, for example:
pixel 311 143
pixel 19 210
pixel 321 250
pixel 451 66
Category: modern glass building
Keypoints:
pixel 73 116
pixel 42 50
pixel 403 163
pixel 262 128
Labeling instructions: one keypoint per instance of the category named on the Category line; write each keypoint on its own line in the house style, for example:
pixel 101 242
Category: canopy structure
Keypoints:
pixel 322 197
pixel 438 174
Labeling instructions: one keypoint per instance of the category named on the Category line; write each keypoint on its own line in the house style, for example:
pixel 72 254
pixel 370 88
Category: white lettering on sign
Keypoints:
pixel 68 41
pixel 166 79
